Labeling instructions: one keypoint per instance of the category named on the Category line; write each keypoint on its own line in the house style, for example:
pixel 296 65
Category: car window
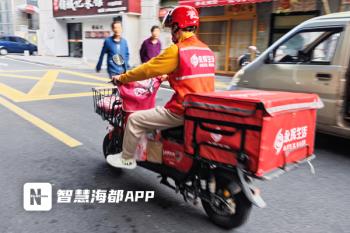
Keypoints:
pixel 324 52
pixel 4 38
pixel 12 39
pixel 20 40
pixel 308 46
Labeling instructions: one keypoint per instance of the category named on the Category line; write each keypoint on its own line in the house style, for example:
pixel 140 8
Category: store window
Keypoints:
pixel 228 31
pixel 214 35
pixel 241 39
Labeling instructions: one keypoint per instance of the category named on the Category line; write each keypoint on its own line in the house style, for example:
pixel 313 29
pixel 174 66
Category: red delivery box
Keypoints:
pixel 265 130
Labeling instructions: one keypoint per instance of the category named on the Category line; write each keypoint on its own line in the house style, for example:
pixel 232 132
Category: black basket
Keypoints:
pixel 107 103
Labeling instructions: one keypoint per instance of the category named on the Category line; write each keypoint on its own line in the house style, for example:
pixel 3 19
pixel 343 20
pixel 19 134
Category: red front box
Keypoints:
pixel 272 129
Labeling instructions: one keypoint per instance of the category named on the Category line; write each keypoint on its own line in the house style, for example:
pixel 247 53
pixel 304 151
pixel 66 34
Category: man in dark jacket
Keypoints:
pixel 114 45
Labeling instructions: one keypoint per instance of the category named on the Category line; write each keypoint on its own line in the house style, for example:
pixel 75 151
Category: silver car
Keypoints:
pixel 313 58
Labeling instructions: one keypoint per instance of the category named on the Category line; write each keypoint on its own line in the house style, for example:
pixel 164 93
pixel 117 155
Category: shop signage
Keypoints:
pixel 209 3
pixel 294 5
pixel 63 8
pixel 241 9
pixel 97 34
pixel 32 2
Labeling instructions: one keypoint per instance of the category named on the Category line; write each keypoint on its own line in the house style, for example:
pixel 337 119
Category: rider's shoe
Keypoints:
pixel 116 160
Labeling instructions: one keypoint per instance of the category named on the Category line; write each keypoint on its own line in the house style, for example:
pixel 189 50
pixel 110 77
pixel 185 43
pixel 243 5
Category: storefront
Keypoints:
pixel 78 28
pixel 288 14
pixel 229 27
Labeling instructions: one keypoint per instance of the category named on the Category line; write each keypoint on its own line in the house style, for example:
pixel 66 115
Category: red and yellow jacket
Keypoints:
pixel 190 65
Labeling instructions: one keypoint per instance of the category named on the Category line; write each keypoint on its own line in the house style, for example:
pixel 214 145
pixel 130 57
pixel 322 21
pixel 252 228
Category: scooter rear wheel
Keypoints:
pixel 229 220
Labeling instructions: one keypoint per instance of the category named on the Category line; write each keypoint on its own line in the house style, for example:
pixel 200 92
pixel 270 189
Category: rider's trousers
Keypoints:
pixel 141 122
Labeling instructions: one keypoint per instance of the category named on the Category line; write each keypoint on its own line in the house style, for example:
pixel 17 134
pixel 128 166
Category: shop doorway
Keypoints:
pixel 75 39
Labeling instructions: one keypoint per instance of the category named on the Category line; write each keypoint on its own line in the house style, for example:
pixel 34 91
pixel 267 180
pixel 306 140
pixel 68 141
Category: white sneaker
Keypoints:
pixel 116 160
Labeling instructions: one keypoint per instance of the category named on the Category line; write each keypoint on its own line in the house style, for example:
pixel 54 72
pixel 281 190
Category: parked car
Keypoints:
pixel 15 44
pixel 314 57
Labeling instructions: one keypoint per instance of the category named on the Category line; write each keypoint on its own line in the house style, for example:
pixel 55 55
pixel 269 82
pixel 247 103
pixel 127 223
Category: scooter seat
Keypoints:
pixel 176 133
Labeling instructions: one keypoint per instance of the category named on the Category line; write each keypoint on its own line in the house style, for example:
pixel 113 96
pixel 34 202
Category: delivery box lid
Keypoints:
pixel 274 102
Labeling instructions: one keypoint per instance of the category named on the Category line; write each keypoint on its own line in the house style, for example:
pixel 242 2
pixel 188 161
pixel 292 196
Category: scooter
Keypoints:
pixel 246 58
pixel 222 181
pixel 226 196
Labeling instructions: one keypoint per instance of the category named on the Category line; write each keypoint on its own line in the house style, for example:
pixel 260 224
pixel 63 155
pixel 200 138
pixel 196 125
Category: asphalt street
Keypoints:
pixel 49 133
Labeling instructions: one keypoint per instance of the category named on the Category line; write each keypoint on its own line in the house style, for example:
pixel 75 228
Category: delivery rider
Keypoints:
pixel 190 65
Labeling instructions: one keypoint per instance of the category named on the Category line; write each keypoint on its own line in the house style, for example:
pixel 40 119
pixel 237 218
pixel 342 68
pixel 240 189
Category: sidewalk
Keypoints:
pixel 221 83
pixel 62 62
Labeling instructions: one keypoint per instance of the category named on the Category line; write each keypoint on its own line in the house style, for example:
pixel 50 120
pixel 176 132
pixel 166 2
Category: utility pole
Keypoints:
pixel 327 9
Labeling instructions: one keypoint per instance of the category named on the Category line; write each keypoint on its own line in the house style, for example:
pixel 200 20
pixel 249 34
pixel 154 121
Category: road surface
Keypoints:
pixel 49 133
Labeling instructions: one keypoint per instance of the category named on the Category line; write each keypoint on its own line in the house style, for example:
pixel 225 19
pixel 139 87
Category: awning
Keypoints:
pixel 208 3
pixel 29 9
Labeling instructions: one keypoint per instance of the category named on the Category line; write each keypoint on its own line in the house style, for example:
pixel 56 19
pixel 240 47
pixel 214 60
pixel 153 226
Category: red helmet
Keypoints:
pixel 183 16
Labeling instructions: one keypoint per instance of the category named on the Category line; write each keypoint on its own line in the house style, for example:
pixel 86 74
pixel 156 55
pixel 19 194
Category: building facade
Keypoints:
pixel 6 21
pixel 78 28
pixel 230 27
pixel 20 18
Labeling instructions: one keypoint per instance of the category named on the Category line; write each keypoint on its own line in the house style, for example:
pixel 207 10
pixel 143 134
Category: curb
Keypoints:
pixel 33 62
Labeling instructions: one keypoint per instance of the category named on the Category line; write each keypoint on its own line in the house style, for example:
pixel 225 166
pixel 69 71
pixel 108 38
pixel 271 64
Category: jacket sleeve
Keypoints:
pixel 164 63
pixel 142 52
pixel 100 60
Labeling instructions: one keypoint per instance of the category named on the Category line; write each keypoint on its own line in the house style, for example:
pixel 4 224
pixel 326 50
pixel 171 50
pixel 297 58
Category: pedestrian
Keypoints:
pixel 191 67
pixel 115 46
pixel 152 46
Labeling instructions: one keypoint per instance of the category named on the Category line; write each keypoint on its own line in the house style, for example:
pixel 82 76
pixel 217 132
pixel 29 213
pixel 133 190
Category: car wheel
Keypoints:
pixel 34 53
pixel 3 51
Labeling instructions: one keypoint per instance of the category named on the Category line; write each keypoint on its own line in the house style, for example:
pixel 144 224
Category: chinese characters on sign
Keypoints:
pixel 294 5
pixel 290 139
pixel 100 196
pixel 76 4
pixel 63 8
pixel 97 32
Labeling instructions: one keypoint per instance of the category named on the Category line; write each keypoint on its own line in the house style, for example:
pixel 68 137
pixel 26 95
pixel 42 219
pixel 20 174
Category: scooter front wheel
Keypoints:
pixel 238 214
pixel 111 144
pixel 106 146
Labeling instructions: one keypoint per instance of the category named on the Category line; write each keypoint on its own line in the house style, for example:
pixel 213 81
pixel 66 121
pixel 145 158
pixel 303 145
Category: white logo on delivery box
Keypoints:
pixel 216 137
pixel 290 139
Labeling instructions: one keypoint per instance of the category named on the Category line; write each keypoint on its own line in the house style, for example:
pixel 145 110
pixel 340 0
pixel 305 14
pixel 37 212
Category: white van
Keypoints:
pixel 314 57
